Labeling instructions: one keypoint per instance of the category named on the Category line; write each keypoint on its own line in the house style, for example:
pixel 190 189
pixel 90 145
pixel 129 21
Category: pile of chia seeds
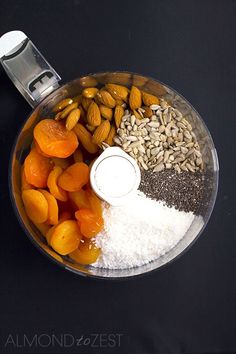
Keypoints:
pixel 184 190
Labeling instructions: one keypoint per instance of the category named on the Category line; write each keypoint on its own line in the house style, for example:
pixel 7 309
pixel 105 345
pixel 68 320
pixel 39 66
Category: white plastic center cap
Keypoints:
pixel 115 176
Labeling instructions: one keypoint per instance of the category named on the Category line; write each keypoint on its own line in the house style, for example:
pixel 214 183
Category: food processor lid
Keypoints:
pixel 116 169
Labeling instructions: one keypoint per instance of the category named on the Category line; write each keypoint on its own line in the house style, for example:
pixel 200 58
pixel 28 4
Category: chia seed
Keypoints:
pixel 184 190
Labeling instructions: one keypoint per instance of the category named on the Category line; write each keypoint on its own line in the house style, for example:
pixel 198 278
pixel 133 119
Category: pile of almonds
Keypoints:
pixel 96 114
pixel 155 134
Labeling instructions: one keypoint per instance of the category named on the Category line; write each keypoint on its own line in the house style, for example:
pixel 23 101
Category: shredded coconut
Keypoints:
pixel 139 232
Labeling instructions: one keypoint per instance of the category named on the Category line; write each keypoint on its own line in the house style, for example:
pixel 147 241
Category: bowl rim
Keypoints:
pixel 90 275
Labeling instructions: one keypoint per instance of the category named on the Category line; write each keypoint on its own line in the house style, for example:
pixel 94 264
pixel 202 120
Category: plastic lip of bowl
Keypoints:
pixel 122 277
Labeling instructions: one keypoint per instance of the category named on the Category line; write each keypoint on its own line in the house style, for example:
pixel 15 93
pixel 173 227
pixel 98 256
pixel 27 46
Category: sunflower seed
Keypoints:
pixel 166 155
pixel 159 167
pixel 154 135
pixel 198 161
pixel 168 132
pixel 161 153
pixel 183 168
pixel 177 168
pixel 146 120
pixel 141 149
pixel 168 165
pixel 132 120
pixel 187 134
pixel 155 107
pixel 153 124
pixel 117 140
pixel 135 144
pixel 197 152
pixel 125 145
pixel 153 118
pixel 144 165
pixel 155 150
pixel 190 167
pixel 132 138
pixel 184 150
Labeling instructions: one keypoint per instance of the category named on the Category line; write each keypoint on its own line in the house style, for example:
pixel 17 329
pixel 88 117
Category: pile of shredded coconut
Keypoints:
pixel 139 232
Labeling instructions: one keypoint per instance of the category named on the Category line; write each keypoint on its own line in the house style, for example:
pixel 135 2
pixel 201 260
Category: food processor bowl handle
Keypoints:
pixel 26 67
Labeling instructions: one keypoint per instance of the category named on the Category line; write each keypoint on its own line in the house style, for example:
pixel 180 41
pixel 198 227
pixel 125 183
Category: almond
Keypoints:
pixel 90 128
pixel 119 78
pixel 90 92
pixel 111 135
pixel 82 113
pixel 93 115
pixel 149 99
pixel 137 115
pixel 86 102
pixel 147 111
pixel 62 104
pixel 106 112
pixel 118 91
pixel 154 86
pixel 88 81
pixel 106 98
pixel 119 102
pixel 85 138
pixel 101 133
pixel 118 114
pixel 68 109
pixel 78 99
pixel 139 80
pixel 135 98
pixel 72 119
pixel 57 116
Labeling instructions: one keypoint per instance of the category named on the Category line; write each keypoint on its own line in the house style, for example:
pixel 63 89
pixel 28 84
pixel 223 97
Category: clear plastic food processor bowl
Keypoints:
pixel 36 88
pixel 24 140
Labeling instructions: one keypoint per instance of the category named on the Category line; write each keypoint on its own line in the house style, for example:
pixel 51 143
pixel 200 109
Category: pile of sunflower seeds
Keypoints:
pixel 163 141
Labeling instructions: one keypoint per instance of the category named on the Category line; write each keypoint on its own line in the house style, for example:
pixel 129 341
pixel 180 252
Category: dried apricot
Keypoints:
pixel 63 163
pixel 78 156
pixel 36 146
pixel 65 237
pixel 87 253
pixel 80 199
pixel 65 215
pixel 53 187
pixel 49 234
pixel 74 177
pixel 24 184
pixel 52 207
pixel 37 169
pixel 36 205
pixel 54 139
pixel 90 223
pixel 43 228
pixel 94 201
